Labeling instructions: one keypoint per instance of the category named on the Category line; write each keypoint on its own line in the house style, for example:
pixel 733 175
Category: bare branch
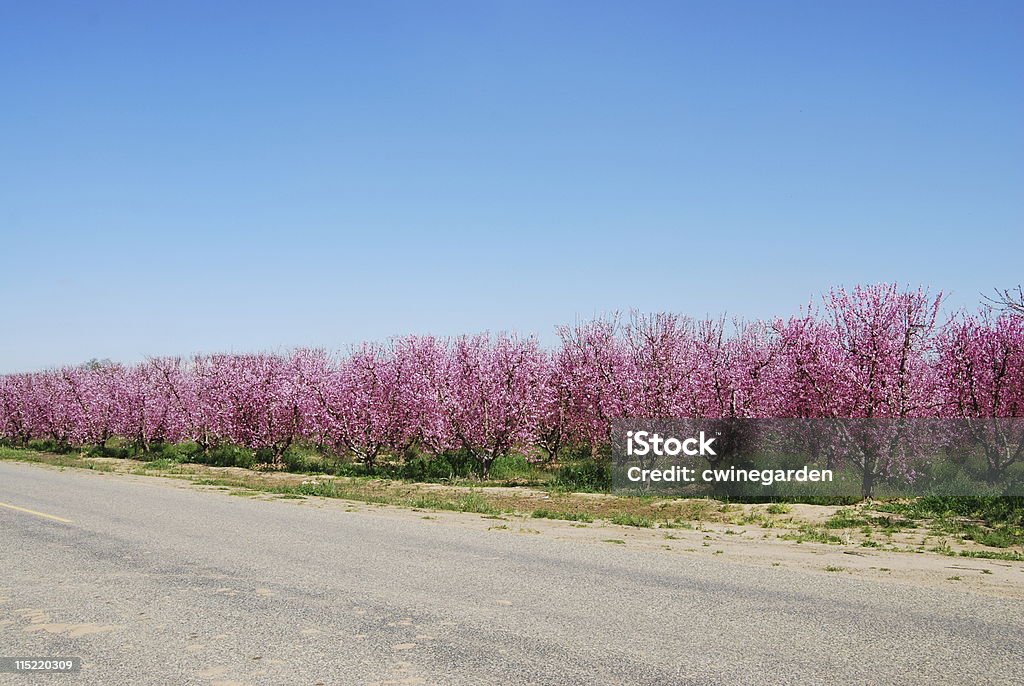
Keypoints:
pixel 1006 300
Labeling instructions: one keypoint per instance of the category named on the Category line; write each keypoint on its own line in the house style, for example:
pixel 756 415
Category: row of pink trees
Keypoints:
pixel 871 352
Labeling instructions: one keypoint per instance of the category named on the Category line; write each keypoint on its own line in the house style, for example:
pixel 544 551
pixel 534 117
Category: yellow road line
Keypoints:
pixel 37 514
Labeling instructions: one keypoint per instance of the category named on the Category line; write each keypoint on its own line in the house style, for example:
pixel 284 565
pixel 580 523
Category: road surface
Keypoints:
pixel 153 583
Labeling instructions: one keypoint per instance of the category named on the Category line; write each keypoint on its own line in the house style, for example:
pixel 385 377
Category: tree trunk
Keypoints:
pixel 867 484
pixel 993 473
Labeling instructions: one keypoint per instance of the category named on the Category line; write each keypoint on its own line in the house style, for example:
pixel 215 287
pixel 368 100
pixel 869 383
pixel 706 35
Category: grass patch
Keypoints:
pixel 568 516
pixel 988 521
pixel 845 519
pixel 57 460
pixel 810 534
pixel 630 519
pixel 471 502
pixel 1009 555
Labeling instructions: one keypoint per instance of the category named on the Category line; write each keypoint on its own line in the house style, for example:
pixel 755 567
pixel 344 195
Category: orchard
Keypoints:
pixel 875 352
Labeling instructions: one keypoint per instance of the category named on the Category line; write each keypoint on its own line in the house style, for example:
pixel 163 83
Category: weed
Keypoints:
pixel 844 519
pixel 1010 555
pixel 809 534
pixel 569 516
pixel 630 519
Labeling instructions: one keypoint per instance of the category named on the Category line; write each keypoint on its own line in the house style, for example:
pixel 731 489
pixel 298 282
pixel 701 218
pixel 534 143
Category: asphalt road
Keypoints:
pixel 155 584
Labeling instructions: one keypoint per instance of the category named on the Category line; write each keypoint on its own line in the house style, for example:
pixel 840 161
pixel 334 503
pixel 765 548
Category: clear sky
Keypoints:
pixel 183 177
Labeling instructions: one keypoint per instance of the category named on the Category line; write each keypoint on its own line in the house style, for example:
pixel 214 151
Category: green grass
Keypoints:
pixel 989 511
pixel 515 468
pixel 55 459
pixel 471 502
pixel 568 516
pixel 998 536
pixel 810 534
pixel 630 519
pixel 1009 555
pixel 845 519
pixel 990 521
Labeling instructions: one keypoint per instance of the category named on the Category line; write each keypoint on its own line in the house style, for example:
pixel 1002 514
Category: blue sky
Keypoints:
pixel 193 176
